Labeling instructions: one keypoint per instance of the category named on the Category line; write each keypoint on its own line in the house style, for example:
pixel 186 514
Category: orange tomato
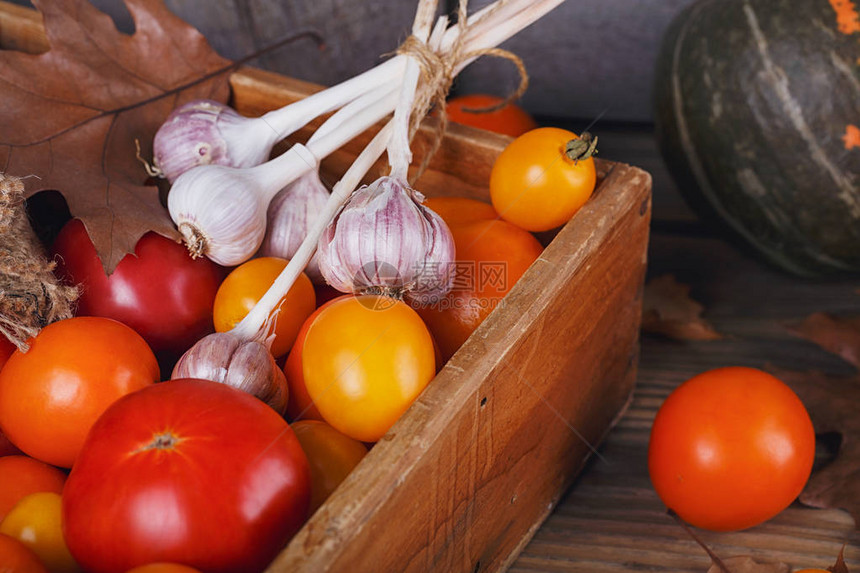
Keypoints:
pixel 331 455
pixel 491 258
pixel 510 120
pixel 74 370
pixel 365 360
pixel 460 210
pixel 535 185
pixel 6 350
pixel 300 405
pixel 247 284
pixel 36 522
pixel 15 557
pixel 163 568
pixel 730 448
pixel 21 476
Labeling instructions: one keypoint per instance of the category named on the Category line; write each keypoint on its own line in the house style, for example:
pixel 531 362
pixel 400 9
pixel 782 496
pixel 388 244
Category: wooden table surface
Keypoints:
pixel 611 519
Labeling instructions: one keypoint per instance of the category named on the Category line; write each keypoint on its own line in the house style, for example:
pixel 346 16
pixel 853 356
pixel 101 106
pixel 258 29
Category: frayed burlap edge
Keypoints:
pixel 30 295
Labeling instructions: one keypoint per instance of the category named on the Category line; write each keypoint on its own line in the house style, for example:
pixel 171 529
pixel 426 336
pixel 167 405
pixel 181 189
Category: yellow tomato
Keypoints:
pixel 35 522
pixel 331 455
pixel 365 359
pixel 15 557
pixel 535 184
pixel 247 284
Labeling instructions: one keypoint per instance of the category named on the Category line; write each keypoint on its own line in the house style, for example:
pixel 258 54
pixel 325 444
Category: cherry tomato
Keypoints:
pixel 186 471
pixel 300 406
pixel 21 476
pixel 730 448
pixel 492 255
pixel 15 557
pixel 459 210
pixel 160 291
pixel 510 120
pixel 75 368
pixel 331 456
pixel 365 360
pixel 35 521
pixel 247 284
pixel 535 185
pixel 163 568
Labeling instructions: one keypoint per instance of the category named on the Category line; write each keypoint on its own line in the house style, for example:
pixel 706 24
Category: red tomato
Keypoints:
pixel 247 284
pixel 365 360
pixel 331 455
pixel 160 291
pixel 535 185
pixel 163 568
pixel 75 368
pixel 6 350
pixel 730 448
pixel 21 476
pixel 16 557
pixel 509 120
pixel 186 471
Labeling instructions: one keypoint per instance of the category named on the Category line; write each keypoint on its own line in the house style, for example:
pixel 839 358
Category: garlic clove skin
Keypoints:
pixel 384 241
pixel 246 365
pixel 289 219
pixel 198 202
pixel 205 132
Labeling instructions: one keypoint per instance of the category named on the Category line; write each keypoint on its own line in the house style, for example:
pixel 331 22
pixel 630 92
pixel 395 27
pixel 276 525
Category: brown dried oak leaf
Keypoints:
pixel 667 309
pixel 833 403
pixel 71 115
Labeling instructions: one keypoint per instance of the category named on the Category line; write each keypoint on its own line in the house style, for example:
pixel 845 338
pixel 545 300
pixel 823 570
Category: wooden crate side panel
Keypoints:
pixel 436 492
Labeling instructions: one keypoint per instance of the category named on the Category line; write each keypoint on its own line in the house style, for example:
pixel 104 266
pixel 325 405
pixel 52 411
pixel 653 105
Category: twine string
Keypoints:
pixel 438 71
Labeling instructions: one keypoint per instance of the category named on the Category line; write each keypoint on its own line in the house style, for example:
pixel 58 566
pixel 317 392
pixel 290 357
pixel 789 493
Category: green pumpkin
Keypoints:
pixel 758 119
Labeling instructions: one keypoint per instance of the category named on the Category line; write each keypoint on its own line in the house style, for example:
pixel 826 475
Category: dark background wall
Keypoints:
pixel 585 58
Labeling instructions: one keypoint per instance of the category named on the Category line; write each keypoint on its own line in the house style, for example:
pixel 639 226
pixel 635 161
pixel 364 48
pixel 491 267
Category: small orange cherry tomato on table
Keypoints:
pixel 542 178
pixel 74 370
pixel 331 455
pixel 36 522
pixel 247 284
pixel 509 120
pixel 730 448
pixel 365 360
pixel 15 557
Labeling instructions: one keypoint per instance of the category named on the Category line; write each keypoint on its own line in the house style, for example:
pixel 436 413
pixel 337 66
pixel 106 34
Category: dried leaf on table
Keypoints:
pixel 833 403
pixel 746 564
pixel 71 115
pixel 839 566
pixel 838 335
pixel 667 309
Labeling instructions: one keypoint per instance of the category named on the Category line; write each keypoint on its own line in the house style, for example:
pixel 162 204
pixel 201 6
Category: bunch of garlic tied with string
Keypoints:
pixel 220 210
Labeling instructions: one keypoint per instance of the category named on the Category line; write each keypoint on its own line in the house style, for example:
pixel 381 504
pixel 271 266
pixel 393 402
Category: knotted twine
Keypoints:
pixel 31 297
pixel 438 71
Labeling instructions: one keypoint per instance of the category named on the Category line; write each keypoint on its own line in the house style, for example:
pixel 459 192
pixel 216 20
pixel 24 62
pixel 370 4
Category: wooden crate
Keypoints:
pixel 466 476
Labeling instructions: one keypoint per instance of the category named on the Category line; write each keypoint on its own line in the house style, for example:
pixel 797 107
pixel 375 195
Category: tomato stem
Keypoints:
pixel 164 441
pixel 581 148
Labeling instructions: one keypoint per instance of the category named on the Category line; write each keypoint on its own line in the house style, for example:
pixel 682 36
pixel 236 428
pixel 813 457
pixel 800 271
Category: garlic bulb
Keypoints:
pixel 221 211
pixel 290 217
pixel 205 132
pixel 246 365
pixel 384 241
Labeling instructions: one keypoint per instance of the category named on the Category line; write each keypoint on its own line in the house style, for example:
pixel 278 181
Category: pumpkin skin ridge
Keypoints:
pixel 752 141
